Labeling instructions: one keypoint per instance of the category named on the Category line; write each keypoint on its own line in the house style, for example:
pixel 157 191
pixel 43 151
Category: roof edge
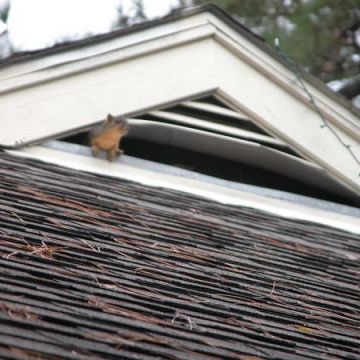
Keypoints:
pixel 95 39
pixel 177 15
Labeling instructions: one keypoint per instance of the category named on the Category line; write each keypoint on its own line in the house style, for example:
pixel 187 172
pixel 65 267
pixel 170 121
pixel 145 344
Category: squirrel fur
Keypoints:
pixel 107 136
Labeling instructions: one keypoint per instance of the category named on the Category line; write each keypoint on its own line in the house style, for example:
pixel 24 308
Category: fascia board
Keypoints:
pixel 101 48
pixel 59 103
pixel 267 62
pixel 223 32
pixel 70 66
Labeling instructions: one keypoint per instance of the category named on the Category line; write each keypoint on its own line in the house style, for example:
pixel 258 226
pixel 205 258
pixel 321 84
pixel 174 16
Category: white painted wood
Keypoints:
pixel 214 192
pixel 83 98
pixel 225 129
pixel 104 48
pixel 199 105
pixel 176 61
pixel 72 67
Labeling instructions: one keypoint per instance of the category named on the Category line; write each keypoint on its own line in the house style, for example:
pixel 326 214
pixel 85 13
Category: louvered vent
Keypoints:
pixel 208 137
pixel 210 115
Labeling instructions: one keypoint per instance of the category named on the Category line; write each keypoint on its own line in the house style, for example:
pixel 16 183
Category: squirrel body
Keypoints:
pixel 107 136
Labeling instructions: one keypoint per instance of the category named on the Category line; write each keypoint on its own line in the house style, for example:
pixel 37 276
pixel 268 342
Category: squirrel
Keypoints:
pixel 107 136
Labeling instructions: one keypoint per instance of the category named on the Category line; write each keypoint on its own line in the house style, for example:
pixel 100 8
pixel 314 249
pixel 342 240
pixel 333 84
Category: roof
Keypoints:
pixel 95 267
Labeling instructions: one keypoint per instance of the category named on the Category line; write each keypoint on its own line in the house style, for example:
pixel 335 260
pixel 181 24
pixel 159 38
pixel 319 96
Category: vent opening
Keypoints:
pixel 224 169
pixel 207 137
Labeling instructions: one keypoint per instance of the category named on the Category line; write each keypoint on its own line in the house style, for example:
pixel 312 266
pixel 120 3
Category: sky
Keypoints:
pixel 34 24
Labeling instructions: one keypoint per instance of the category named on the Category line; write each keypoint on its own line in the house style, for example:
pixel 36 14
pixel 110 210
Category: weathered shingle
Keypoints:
pixel 100 268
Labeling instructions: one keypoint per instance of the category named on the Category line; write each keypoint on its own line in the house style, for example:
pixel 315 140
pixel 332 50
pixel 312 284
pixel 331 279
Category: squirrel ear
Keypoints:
pixel 110 118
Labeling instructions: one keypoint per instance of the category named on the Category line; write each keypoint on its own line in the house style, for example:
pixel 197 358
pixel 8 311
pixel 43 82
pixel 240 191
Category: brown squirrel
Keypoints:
pixel 107 136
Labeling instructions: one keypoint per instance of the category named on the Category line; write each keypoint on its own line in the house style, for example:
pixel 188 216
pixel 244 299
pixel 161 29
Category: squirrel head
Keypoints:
pixel 119 121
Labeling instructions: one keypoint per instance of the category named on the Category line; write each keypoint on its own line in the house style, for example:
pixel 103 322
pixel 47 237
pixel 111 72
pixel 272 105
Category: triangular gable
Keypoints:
pixel 198 52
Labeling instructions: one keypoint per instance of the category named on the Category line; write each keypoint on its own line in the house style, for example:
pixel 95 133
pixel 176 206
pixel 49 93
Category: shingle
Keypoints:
pixel 96 267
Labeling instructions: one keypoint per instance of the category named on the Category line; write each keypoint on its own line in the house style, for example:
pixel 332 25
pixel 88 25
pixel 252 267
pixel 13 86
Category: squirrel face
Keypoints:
pixel 112 123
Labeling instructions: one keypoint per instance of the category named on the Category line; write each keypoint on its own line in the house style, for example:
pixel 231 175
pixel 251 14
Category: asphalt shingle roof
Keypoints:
pixel 99 268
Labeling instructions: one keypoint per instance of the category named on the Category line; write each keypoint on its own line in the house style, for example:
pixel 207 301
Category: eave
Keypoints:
pixel 136 171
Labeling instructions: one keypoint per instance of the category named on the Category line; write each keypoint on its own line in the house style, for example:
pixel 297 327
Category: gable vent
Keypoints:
pixel 212 116
pixel 208 137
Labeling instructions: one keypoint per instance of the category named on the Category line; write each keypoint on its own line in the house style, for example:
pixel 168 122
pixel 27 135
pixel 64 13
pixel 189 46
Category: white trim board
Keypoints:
pixel 163 65
pixel 214 192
